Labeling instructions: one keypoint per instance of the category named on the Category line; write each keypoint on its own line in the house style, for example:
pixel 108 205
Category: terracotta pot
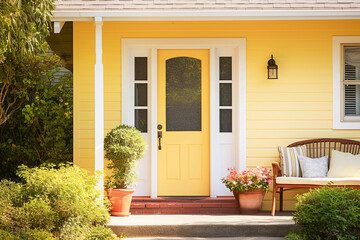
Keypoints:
pixel 250 201
pixel 120 200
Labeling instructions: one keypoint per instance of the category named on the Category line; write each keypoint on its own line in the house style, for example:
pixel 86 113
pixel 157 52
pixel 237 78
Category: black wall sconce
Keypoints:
pixel 272 69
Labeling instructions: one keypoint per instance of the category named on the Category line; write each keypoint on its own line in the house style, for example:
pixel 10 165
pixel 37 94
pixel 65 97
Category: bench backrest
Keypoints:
pixel 323 146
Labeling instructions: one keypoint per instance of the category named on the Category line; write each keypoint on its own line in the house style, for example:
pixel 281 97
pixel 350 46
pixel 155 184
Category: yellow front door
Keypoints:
pixel 183 116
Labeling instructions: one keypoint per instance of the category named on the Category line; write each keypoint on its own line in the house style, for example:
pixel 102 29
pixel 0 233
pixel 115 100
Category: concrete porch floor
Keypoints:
pixel 204 226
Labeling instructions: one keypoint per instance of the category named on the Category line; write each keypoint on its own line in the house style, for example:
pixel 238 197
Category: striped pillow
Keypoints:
pixel 289 160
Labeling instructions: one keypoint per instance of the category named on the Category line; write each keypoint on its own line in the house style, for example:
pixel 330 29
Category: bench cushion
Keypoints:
pixel 317 181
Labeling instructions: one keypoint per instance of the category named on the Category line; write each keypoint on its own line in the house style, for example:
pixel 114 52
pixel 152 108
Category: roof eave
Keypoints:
pixel 67 15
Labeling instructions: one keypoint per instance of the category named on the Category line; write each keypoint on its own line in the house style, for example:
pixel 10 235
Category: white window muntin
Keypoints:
pixel 350 85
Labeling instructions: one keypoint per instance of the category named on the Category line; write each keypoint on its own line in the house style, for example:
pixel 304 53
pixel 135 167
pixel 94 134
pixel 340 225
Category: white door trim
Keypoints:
pixel 239 90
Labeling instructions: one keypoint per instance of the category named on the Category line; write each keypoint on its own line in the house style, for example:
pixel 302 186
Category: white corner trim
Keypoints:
pixel 338 123
pixel 99 103
pixel 204 15
pixel 58 26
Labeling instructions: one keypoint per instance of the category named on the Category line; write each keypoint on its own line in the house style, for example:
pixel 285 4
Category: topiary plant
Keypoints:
pixel 328 214
pixel 124 146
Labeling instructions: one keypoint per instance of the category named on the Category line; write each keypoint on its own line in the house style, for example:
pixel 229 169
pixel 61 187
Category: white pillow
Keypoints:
pixel 314 167
pixel 344 165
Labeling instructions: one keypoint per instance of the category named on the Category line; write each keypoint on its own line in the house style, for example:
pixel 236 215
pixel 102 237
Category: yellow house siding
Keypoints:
pixel 84 118
pixel 294 107
pixel 112 82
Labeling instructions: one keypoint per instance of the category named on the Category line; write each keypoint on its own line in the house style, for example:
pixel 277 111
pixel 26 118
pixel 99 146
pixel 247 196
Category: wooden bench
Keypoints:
pixel 315 148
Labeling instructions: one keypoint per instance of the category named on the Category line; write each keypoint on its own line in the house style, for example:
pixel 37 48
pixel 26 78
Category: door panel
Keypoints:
pixel 183 111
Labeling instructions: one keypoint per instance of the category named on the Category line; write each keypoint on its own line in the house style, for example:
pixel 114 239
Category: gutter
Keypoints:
pixel 146 15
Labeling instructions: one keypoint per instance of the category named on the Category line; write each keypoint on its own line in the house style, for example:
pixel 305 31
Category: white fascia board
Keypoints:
pixel 205 15
pixel 58 26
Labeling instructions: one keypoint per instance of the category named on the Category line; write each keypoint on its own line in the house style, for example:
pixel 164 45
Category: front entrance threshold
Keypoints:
pixel 184 205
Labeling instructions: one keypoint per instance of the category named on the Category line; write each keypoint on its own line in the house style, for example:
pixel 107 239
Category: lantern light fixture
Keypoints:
pixel 272 69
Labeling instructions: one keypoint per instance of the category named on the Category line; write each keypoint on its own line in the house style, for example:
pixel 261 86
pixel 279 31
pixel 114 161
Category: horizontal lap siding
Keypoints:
pixel 295 107
pixel 84 117
pixel 298 105
pixel 84 112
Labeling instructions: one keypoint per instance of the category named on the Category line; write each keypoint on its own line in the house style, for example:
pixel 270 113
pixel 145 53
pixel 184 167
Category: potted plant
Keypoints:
pixel 124 146
pixel 248 187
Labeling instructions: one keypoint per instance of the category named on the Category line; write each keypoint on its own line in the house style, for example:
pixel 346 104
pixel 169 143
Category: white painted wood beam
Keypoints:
pixel 99 103
pixel 214 122
pixel 241 103
pixel 58 26
pixel 153 120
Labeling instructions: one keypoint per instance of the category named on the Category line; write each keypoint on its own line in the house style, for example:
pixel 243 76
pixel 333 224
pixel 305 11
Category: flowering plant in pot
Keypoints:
pixel 248 187
pixel 124 146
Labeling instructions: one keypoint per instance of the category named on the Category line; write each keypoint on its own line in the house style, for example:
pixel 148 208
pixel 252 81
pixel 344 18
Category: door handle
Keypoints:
pixel 159 135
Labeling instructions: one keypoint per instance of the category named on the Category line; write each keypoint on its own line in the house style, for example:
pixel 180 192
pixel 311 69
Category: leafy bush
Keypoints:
pixel 24 26
pixel 328 214
pixel 40 131
pixel 124 146
pixel 53 203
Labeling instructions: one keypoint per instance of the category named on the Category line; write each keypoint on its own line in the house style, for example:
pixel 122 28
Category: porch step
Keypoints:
pixel 203 226
pixel 162 205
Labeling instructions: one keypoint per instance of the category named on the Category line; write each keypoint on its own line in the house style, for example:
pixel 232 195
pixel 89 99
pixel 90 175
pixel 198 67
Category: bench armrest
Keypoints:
pixel 276 170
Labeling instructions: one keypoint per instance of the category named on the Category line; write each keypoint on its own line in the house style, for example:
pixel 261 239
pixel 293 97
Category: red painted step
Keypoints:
pixel 164 205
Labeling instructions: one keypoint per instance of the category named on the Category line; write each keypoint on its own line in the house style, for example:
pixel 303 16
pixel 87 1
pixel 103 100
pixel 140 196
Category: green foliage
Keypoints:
pixel 124 146
pixel 41 130
pixel 24 24
pixel 53 204
pixel 328 214
pixel 293 236
pixel 100 233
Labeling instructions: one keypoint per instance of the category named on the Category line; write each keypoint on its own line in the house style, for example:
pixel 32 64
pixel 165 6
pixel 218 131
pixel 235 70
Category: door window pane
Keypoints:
pixel 140 94
pixel 183 94
pixel 141 119
pixel 140 68
pixel 225 120
pixel 225 68
pixel 225 94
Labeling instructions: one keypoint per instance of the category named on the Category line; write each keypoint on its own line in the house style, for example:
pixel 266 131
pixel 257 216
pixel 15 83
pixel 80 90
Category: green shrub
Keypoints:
pixel 124 146
pixel 6 235
pixel 328 214
pixel 40 131
pixel 53 203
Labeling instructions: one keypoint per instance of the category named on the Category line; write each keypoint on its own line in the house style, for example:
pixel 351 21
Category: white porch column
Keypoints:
pixel 99 103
